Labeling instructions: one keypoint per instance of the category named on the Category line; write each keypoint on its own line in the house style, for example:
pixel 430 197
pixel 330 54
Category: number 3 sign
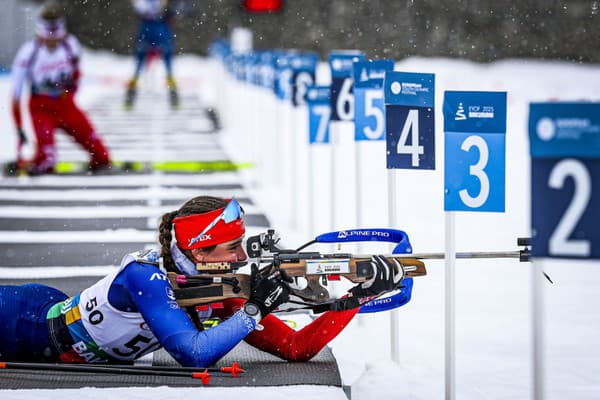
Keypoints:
pixel 565 179
pixel 475 130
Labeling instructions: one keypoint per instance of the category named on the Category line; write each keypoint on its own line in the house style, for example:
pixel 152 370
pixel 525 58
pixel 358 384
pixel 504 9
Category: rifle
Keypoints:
pixel 216 282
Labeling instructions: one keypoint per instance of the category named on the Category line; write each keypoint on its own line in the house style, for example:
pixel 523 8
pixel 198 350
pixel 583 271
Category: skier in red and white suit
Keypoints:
pixel 50 63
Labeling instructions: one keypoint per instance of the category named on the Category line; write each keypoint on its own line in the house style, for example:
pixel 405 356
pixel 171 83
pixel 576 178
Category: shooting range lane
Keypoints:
pixel 68 223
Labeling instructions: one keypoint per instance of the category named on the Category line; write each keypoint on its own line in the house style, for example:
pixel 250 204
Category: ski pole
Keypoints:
pixel 203 375
pixel 233 369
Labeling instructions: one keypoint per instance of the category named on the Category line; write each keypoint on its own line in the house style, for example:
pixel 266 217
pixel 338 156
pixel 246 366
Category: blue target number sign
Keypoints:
pixel 409 118
pixel 266 69
pixel 283 76
pixel 319 113
pixel 369 108
pixel 304 67
pixel 565 179
pixel 475 151
pixel 342 96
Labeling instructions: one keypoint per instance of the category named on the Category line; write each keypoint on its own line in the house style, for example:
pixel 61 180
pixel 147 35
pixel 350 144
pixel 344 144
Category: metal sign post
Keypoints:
pixel 342 106
pixel 410 135
pixel 474 180
pixel 565 198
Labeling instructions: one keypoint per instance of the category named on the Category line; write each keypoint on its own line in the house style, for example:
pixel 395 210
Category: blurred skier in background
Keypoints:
pixel 154 35
pixel 50 63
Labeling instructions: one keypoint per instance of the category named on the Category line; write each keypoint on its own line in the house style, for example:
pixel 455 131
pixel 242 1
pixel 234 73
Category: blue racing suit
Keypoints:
pixel 127 314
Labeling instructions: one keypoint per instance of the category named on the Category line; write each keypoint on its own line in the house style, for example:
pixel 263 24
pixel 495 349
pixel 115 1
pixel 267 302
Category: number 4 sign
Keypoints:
pixel 565 179
pixel 475 131
pixel 410 134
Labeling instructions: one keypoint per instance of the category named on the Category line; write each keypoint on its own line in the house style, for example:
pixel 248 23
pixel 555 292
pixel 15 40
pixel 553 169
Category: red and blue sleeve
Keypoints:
pixel 153 296
pixel 281 340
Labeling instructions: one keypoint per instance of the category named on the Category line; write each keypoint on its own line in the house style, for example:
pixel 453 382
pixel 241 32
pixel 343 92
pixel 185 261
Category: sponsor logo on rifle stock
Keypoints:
pixel 323 267
pixel 366 233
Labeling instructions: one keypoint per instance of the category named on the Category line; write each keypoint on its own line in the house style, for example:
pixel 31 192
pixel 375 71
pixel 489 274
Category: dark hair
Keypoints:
pixel 51 11
pixel 197 205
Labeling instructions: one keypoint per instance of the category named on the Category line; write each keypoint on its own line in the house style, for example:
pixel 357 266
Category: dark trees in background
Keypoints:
pixel 482 30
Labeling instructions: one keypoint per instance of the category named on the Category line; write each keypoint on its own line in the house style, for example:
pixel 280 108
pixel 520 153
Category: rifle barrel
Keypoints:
pixel 518 254
pixel 441 256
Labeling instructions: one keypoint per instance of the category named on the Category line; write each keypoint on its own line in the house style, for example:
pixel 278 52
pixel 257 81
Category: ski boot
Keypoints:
pixel 104 169
pixel 173 95
pixel 131 94
pixel 214 118
pixel 12 169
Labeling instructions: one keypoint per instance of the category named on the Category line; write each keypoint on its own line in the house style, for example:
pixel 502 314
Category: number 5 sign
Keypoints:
pixel 369 110
pixel 565 179
pixel 475 147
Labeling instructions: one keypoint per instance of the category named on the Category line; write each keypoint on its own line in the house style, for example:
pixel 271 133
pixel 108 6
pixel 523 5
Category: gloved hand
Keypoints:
pixel 387 275
pixel 21 135
pixel 269 292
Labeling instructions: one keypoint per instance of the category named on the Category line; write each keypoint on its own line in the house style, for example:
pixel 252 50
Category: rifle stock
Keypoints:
pixel 206 288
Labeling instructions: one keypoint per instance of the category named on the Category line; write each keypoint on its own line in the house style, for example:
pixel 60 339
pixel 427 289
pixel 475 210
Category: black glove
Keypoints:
pixel 269 292
pixel 21 135
pixel 387 275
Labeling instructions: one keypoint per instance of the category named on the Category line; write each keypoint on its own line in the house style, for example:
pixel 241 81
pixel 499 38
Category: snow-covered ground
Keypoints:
pixel 493 303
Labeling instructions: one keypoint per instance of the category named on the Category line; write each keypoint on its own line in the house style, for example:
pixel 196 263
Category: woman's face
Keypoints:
pixel 231 251
pixel 51 44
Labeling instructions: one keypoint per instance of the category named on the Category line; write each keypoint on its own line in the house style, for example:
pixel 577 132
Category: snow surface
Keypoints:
pixel 493 303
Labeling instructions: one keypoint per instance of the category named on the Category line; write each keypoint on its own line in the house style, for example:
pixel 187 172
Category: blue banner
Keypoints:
pixel 475 151
pixel 409 89
pixel 341 62
pixel 564 129
pixel 371 73
pixel 565 179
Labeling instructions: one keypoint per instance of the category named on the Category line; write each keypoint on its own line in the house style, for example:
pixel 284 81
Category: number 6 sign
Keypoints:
pixel 475 130
pixel 342 98
pixel 565 179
